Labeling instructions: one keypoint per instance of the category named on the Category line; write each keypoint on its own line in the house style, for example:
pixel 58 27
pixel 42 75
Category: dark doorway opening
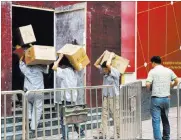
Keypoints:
pixel 43 26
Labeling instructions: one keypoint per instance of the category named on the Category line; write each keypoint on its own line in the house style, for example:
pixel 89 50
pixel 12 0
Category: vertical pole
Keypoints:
pixel 24 115
pixel 178 111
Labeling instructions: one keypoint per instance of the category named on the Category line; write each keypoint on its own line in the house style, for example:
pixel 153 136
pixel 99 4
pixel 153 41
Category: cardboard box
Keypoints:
pixel 25 35
pixel 76 55
pixel 40 55
pixel 117 62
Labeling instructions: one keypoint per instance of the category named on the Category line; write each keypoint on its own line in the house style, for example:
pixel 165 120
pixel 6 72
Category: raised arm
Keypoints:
pixel 108 64
pixel 96 64
pixel 55 66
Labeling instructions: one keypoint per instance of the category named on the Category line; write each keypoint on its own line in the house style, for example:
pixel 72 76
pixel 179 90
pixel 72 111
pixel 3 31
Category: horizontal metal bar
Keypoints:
pixel 13 92
pixel 63 89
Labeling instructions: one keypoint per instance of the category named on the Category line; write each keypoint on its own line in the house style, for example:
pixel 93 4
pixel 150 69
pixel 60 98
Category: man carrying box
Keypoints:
pixel 33 81
pixel 69 79
pixel 111 77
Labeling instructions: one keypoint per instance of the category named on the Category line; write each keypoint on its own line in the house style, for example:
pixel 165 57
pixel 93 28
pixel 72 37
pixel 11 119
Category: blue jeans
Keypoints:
pixel 65 130
pixel 160 108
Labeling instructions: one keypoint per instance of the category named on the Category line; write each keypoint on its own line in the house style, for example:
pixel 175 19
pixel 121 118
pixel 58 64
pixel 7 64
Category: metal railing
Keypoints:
pixel 122 113
pixel 4 95
pixel 130 108
pixel 94 101
pixel 178 110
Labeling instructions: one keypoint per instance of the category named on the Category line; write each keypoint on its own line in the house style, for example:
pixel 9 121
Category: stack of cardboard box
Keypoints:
pixel 35 54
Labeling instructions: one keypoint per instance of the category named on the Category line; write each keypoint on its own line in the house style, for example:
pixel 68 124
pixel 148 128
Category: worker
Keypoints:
pixel 111 76
pixel 33 81
pixel 161 79
pixel 68 77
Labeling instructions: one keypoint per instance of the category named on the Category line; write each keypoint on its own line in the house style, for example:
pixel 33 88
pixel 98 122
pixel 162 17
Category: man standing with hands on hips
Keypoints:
pixel 161 79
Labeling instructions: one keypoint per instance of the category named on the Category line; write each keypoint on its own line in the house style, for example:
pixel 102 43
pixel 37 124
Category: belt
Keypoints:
pixel 160 97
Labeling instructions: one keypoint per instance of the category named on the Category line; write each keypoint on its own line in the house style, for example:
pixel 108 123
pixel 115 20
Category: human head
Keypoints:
pixel 104 67
pixel 156 60
pixel 64 63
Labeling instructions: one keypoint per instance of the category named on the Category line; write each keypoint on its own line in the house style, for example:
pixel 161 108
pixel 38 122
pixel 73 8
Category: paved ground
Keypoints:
pixel 146 129
pixel 147 126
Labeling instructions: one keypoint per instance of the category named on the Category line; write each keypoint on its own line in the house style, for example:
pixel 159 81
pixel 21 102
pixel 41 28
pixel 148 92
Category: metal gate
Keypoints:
pixel 130 110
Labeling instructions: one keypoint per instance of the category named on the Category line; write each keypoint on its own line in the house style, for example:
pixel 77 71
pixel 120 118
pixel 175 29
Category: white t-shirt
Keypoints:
pixel 161 77
pixel 68 79
pixel 33 75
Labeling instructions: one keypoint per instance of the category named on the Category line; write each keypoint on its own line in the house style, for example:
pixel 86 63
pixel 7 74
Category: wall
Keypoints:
pixel 128 33
pixel 103 32
pixel 128 48
pixel 159 33
pixel 6 51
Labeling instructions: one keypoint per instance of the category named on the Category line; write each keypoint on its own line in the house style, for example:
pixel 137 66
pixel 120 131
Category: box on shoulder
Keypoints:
pixel 118 62
pixel 39 54
pixel 76 55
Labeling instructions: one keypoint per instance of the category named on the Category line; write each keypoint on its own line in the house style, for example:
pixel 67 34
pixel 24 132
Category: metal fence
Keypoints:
pixel 121 114
pixel 93 98
pixel 130 108
pixel 8 121
pixel 178 110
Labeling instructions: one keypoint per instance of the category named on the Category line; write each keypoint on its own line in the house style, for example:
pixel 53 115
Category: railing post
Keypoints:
pixel 24 117
pixel 178 111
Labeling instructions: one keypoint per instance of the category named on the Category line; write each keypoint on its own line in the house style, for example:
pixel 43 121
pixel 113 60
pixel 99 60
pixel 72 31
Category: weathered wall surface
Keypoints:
pixel 103 32
pixel 6 54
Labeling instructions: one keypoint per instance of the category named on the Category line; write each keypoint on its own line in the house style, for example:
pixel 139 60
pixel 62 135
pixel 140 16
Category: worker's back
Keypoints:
pixel 162 78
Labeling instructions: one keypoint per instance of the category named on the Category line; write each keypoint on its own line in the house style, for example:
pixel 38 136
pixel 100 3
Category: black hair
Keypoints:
pixel 74 42
pixel 156 59
pixel 104 64
pixel 65 62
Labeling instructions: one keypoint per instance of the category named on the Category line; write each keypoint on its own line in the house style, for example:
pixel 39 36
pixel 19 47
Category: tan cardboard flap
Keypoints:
pixel 120 63
pixel 69 49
